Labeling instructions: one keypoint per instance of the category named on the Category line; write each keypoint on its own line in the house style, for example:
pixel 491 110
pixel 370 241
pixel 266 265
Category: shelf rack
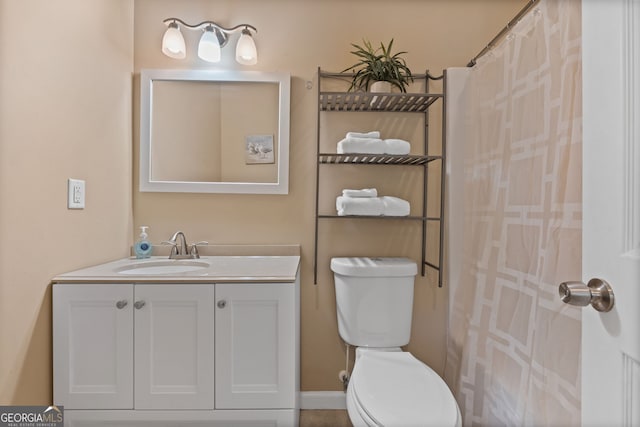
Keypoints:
pixel 365 101
pixel 385 102
pixel 375 159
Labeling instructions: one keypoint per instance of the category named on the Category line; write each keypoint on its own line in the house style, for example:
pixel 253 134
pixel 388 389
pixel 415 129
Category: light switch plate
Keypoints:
pixel 75 194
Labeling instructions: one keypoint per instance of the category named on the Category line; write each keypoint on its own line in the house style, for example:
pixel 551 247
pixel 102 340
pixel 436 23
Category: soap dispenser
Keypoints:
pixel 143 248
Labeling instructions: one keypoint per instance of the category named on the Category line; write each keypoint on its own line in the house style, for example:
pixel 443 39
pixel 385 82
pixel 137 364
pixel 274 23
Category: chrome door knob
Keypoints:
pixel 597 292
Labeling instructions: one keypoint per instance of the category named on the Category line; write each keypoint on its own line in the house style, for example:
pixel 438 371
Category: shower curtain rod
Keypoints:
pixel 504 31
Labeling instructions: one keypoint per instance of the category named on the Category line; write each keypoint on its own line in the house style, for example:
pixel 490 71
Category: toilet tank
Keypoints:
pixel 374 300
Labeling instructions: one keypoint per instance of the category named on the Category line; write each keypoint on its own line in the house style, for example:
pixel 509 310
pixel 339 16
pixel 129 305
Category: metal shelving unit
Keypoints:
pixel 385 102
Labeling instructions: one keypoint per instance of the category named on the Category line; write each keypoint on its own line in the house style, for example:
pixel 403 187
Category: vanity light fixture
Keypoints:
pixel 246 52
pixel 214 37
pixel 173 42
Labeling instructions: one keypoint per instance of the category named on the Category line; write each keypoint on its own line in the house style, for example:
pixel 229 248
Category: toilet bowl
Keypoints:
pixel 394 389
pixel 388 387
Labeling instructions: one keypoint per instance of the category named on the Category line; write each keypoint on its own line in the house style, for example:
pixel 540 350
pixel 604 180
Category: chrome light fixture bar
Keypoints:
pixel 214 37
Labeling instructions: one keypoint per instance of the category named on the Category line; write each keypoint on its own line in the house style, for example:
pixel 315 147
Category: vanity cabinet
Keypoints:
pixel 209 354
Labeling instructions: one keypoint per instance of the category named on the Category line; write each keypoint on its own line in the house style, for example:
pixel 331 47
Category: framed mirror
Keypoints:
pixel 211 131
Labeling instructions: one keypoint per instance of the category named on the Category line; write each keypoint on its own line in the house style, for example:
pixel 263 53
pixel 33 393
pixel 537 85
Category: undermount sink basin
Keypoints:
pixel 160 267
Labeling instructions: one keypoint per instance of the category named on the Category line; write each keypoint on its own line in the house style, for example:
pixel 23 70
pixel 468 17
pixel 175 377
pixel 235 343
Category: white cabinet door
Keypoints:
pixel 255 346
pixel 174 346
pixel 93 346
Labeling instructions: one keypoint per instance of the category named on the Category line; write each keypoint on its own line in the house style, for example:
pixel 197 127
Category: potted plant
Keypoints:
pixel 379 65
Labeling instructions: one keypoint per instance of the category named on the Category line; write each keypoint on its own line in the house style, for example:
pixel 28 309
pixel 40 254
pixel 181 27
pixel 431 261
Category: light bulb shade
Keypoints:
pixel 246 52
pixel 173 43
pixel 209 46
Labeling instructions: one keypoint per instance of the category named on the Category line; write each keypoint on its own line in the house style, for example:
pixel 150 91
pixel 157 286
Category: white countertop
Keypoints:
pixel 212 269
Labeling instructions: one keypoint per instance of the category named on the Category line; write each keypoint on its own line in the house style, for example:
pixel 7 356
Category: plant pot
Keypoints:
pixel 380 87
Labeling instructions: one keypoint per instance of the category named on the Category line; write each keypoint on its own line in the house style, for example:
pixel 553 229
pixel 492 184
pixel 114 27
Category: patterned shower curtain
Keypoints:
pixel 514 348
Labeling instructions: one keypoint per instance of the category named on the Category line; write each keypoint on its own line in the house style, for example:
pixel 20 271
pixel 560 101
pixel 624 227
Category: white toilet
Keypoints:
pixel 388 387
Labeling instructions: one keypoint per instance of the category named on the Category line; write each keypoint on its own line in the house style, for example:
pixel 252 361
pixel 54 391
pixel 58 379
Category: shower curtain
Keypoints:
pixel 514 128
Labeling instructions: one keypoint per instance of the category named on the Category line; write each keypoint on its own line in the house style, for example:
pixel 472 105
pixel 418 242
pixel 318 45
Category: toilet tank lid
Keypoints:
pixel 374 267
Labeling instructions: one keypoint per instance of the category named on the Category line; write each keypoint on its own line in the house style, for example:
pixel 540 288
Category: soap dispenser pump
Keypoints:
pixel 142 248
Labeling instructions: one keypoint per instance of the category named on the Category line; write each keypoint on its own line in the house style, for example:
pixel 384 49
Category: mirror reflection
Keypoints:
pixel 210 131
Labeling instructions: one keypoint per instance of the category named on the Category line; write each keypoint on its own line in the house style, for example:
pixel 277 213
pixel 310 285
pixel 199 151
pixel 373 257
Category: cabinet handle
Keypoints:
pixel 139 304
pixel 222 303
pixel 121 304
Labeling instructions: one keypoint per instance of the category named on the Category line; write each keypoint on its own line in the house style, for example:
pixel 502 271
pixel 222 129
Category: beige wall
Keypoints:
pixel 297 37
pixel 65 112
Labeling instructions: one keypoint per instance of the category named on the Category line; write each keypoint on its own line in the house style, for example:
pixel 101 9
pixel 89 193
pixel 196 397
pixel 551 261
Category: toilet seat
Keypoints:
pixel 396 389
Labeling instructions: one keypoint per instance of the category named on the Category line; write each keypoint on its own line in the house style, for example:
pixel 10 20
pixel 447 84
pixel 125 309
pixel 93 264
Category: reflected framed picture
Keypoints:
pixel 259 149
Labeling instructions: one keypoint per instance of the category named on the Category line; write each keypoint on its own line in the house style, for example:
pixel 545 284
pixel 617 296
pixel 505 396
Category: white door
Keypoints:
pixel 93 346
pixel 174 353
pixel 611 189
pixel 255 346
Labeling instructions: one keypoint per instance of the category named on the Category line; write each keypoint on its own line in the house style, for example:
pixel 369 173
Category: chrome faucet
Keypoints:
pixel 180 249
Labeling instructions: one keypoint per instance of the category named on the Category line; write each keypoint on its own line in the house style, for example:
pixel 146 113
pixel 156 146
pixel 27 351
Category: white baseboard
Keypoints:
pixel 323 400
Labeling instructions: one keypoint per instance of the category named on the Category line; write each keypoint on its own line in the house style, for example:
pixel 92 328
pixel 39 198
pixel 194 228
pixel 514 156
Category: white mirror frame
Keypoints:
pixel 147 78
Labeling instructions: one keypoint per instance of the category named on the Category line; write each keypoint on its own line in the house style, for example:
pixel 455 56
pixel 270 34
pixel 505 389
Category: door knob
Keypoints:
pixel 222 303
pixel 121 304
pixel 597 292
pixel 139 304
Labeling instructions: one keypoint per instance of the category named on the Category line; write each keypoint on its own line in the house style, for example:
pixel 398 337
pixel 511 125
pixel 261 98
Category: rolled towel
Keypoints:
pixel 372 134
pixel 361 145
pixel 397 146
pixel 365 192
pixel 359 206
pixel 394 206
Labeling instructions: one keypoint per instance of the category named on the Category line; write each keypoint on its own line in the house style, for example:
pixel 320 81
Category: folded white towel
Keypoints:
pixel 396 146
pixel 365 192
pixel 394 206
pixel 359 206
pixel 372 134
pixel 361 145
